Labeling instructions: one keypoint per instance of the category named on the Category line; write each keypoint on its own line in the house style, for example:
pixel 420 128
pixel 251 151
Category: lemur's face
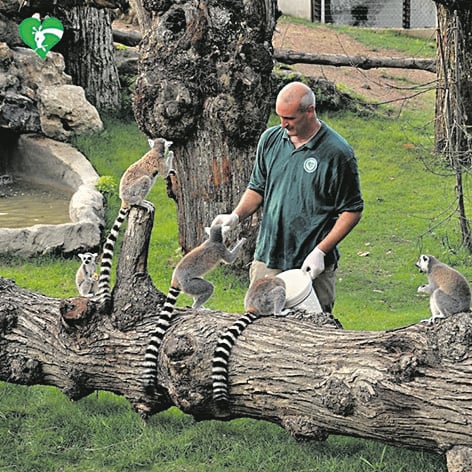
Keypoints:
pixel 164 156
pixel 423 263
pixel 87 258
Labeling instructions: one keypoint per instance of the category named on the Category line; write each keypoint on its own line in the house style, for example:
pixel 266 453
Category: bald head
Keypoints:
pixel 295 107
pixel 297 93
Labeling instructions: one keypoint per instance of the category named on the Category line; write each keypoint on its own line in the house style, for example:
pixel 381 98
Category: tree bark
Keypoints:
pixel 87 47
pixel 408 387
pixel 205 84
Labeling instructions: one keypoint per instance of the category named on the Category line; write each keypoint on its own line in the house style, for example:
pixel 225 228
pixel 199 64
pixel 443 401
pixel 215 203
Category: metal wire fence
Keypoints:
pixel 369 13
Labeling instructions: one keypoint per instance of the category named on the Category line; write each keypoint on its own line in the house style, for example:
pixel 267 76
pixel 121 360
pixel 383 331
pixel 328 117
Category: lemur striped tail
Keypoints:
pixel 219 373
pixel 149 375
pixel 104 280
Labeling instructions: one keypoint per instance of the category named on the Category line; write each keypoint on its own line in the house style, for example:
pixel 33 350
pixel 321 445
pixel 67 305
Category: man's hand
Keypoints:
pixel 230 220
pixel 314 263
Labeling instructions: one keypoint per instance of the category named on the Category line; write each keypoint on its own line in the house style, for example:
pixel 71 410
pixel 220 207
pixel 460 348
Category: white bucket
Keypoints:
pixel 299 291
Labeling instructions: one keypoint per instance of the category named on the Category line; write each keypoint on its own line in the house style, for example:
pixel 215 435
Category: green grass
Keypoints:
pixel 41 430
pixel 376 39
pixel 403 201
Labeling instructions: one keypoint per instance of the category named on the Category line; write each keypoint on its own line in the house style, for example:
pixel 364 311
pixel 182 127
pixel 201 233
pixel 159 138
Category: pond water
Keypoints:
pixel 24 204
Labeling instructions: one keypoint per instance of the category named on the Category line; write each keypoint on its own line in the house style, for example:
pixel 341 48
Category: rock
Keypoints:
pixel 87 205
pixel 34 73
pixel 45 161
pixel 64 112
pixel 9 31
pixel 38 96
pixel 67 238
pixel 10 6
pixel 19 112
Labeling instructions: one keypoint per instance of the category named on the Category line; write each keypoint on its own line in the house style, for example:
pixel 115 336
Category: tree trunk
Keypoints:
pixel 453 125
pixel 205 84
pixel 87 47
pixel 408 387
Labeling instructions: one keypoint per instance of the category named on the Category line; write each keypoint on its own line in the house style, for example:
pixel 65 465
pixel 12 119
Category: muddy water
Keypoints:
pixel 23 204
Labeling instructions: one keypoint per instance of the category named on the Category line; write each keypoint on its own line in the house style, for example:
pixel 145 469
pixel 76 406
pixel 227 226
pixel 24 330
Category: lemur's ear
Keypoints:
pixel 151 142
pixel 207 230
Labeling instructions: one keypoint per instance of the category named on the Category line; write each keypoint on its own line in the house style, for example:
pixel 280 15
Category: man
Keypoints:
pixel 306 179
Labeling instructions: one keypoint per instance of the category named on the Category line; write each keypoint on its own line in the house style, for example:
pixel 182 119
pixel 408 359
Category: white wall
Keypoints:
pixel 298 8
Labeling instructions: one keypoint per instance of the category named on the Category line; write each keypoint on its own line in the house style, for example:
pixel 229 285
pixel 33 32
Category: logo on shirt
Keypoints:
pixel 310 165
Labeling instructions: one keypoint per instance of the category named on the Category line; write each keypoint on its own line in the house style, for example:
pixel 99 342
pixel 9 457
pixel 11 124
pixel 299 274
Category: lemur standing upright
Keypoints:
pixel 449 289
pixel 135 184
pixel 187 278
pixel 85 277
pixel 265 297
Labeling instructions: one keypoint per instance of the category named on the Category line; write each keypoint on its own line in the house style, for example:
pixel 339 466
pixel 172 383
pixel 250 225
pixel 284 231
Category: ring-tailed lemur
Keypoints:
pixel 85 277
pixel 187 278
pixel 449 289
pixel 135 184
pixel 265 297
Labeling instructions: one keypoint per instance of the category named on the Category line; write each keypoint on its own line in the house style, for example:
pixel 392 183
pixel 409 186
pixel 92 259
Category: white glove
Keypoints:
pixel 314 263
pixel 230 220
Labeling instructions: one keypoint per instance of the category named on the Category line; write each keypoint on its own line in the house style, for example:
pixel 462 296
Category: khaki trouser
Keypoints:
pixel 324 284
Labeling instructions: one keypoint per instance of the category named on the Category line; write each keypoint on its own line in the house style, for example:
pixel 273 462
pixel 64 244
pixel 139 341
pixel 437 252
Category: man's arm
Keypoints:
pixel 343 226
pixel 249 203
pixel 314 262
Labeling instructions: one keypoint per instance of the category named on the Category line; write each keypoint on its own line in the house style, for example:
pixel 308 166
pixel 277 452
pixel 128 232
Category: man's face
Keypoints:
pixel 296 122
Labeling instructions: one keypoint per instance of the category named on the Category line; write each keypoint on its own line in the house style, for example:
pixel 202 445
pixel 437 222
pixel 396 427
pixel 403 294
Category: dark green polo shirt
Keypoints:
pixel 304 191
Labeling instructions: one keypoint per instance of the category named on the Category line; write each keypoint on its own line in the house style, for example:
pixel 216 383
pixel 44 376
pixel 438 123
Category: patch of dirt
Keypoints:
pixel 379 84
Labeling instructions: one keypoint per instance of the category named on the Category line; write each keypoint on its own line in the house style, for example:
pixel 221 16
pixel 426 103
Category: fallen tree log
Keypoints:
pixel 409 387
pixel 288 56
pixel 127 37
